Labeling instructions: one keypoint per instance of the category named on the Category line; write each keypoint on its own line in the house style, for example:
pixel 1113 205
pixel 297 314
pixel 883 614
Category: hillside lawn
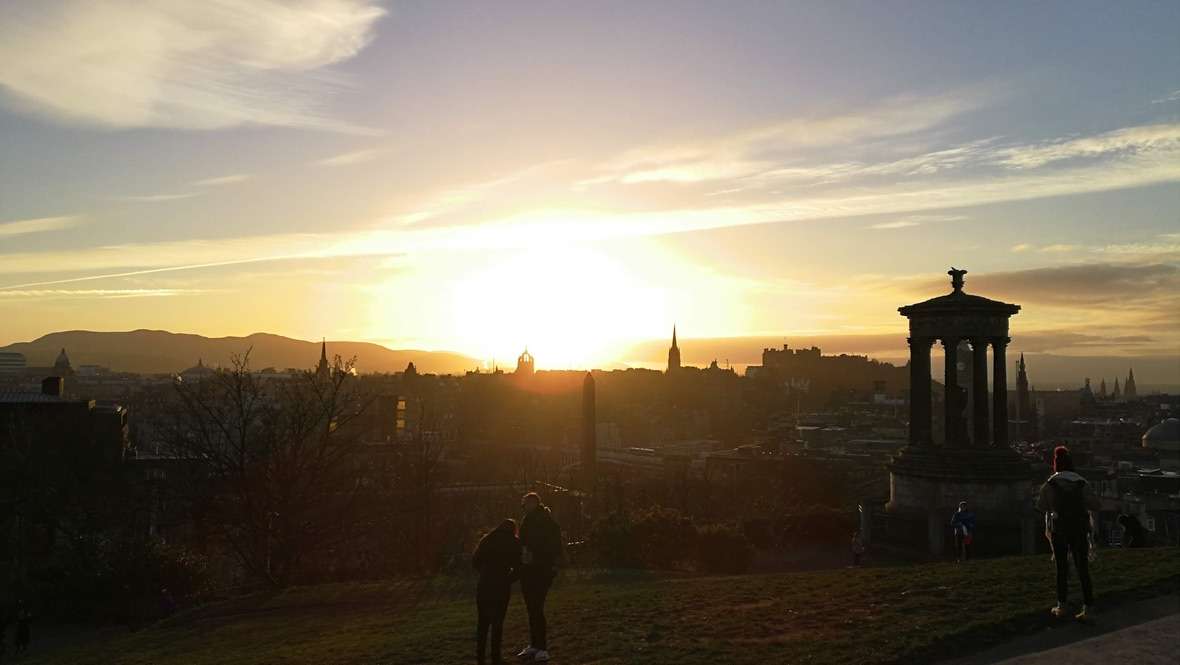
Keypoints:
pixel 910 614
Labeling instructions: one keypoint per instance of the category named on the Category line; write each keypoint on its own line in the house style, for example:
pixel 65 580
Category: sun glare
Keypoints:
pixel 571 306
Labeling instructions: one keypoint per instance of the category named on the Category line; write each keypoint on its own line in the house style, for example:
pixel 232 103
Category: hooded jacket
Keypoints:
pixel 497 556
pixel 540 533
pixel 1066 500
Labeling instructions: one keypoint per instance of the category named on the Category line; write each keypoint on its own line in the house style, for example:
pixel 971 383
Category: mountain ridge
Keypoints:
pixel 149 351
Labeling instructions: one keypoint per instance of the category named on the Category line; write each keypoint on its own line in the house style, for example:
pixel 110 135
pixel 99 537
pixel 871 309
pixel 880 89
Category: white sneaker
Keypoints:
pixel 529 653
pixel 541 657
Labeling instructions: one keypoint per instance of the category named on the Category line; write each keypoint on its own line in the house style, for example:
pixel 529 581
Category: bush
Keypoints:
pixel 665 539
pixel 612 542
pixel 723 549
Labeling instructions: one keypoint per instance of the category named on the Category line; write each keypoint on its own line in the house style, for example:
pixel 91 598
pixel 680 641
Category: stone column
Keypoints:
pixel 979 390
pixel 999 393
pixel 951 398
pixel 920 406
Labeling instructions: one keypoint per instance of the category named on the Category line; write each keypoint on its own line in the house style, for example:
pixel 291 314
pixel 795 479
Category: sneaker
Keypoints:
pixel 1058 611
pixel 541 656
pixel 1083 615
pixel 527 653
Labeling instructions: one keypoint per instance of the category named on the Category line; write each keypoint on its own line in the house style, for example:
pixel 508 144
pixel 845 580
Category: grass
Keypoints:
pixel 874 615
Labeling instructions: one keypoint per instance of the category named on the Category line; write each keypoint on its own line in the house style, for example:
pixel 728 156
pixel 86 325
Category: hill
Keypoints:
pixel 159 351
pixel 913 614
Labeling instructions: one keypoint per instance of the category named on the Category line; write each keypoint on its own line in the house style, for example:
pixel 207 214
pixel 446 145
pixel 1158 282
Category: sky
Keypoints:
pixel 575 177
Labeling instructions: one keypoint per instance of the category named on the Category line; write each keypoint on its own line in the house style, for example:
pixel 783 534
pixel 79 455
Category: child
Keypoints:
pixel 496 558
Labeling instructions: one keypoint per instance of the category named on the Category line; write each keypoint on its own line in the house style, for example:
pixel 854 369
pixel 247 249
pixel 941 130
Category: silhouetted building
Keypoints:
pixel 1026 416
pixel 1129 389
pixel 1117 394
pixel 323 370
pixel 673 354
pixel 589 457
pixel 525 365
pixel 927 481
pixel 12 362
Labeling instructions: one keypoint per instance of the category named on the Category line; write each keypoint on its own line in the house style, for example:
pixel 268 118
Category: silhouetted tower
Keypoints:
pixel 525 363
pixel 589 436
pixel 62 364
pixel 1024 408
pixel 323 370
pixel 1129 389
pixel 673 354
pixel 1102 389
pixel 1118 393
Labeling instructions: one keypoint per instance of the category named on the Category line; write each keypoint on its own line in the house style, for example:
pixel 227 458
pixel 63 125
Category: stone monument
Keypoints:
pixel 927 481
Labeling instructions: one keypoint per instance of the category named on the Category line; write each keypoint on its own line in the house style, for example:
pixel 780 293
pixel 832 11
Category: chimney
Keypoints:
pixel 53 385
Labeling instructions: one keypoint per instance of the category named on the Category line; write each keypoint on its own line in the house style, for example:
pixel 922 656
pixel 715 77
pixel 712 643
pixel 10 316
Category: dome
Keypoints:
pixel 1163 436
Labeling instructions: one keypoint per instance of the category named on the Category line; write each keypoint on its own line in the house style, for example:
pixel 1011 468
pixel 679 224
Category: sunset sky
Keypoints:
pixel 577 176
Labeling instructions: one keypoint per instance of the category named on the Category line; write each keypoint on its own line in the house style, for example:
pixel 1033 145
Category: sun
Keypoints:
pixel 572 306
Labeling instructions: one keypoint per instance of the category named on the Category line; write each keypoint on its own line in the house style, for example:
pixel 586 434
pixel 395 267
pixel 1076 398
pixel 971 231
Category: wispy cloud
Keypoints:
pixel 761 150
pixel 22 227
pixel 350 158
pixel 63 294
pixel 1126 141
pixel 916 220
pixel 124 63
pixel 1174 96
pixel 156 198
pixel 1021 247
pixel 223 180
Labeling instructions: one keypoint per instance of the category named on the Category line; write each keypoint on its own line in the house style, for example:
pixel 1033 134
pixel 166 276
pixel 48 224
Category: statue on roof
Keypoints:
pixel 956 278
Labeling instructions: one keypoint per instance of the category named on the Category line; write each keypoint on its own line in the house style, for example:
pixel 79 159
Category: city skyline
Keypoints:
pixel 477 179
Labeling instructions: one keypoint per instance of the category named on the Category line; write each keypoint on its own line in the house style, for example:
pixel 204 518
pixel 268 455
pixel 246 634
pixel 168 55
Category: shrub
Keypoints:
pixel 664 538
pixel 723 549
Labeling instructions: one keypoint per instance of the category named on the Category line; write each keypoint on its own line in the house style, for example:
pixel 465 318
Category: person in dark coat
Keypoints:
pixel 23 621
pixel 1134 535
pixel 497 558
pixel 1069 505
pixel 963 526
pixel 540 541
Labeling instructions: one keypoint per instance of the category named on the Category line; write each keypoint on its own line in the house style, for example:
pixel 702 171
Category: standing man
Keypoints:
pixel 963 524
pixel 540 547
pixel 1069 509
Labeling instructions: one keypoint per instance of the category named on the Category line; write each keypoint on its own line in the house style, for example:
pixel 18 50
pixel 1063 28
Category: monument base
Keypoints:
pixel 926 485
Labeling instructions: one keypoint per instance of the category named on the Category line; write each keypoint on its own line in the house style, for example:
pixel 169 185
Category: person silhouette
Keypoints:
pixel 497 558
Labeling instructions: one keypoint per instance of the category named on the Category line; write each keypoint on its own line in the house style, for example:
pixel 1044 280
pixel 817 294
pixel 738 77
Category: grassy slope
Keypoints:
pixel 881 615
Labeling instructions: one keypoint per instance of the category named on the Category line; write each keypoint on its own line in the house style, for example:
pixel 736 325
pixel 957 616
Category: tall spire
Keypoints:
pixel 324 349
pixel 323 369
pixel 673 353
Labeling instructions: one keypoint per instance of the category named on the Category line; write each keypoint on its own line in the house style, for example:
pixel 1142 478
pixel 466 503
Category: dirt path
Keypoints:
pixel 1142 633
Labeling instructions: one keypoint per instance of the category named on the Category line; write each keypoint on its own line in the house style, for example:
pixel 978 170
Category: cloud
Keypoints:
pixel 156 198
pixel 916 220
pixel 350 158
pixel 39 225
pixel 760 150
pixel 174 63
pixel 1173 96
pixel 1021 247
pixel 1060 248
pixel 61 294
pixel 223 180
pixel 1126 141
pixel 1085 285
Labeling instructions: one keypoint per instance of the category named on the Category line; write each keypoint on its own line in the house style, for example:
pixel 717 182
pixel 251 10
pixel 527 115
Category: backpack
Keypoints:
pixel 1069 507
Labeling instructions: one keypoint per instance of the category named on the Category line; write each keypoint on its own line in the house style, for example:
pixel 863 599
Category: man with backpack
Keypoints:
pixel 1068 505
pixel 963 526
pixel 540 549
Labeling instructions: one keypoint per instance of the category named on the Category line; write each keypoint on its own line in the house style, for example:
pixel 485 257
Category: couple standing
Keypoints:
pixel 504 556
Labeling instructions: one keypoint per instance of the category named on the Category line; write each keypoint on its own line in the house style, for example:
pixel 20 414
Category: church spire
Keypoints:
pixel 323 369
pixel 673 353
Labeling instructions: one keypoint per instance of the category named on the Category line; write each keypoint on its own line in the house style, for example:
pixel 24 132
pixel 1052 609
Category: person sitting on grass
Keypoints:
pixel 497 558
pixel 1134 535
pixel 1069 509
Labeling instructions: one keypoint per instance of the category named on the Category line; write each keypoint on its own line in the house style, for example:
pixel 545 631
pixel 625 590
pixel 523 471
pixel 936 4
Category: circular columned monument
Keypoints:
pixel 927 480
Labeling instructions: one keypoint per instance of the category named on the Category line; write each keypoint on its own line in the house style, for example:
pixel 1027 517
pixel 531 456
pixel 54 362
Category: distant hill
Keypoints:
pixel 160 351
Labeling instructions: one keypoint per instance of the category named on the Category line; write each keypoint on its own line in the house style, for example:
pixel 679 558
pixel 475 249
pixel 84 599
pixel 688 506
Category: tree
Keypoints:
pixel 274 465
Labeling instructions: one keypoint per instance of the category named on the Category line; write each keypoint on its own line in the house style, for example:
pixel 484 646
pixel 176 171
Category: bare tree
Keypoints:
pixel 274 465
